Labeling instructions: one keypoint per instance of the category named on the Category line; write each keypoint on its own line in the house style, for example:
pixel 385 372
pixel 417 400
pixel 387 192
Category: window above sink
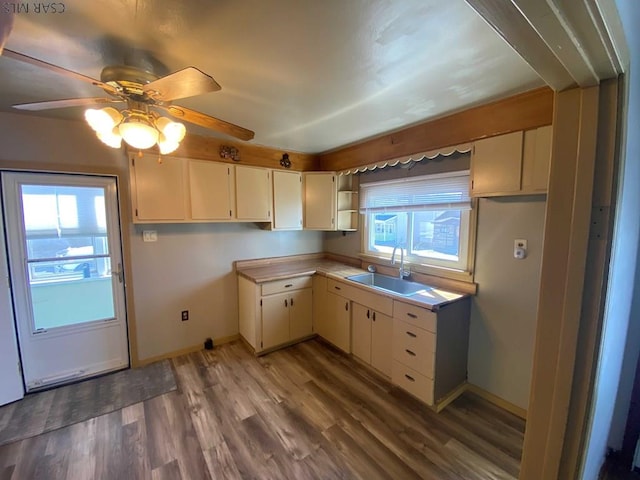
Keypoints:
pixel 429 216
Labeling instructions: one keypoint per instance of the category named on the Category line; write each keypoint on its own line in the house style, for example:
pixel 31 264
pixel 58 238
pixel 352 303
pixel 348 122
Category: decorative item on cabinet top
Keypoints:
pixel 229 152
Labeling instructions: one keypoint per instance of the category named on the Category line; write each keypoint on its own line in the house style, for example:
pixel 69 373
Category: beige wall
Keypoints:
pixel 503 313
pixel 189 268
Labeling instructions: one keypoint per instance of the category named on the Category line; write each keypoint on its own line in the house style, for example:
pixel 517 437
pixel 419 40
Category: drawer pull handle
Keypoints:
pixel 291 303
pixel 411 334
pixel 288 285
pixel 285 303
pixel 412 315
pixel 346 306
pixel 410 352
pixel 337 287
pixel 409 377
pixel 368 314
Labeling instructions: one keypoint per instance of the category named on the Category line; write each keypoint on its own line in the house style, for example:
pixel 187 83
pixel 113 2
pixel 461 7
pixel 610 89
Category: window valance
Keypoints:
pixel 416 157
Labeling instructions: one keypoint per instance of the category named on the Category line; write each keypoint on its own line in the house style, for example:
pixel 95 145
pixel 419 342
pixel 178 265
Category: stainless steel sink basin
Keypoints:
pixel 388 283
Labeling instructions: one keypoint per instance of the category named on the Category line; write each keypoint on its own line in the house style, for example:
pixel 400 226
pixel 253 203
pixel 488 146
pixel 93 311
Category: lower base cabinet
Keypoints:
pixel 430 349
pixel 275 313
pixel 371 331
pixel 337 321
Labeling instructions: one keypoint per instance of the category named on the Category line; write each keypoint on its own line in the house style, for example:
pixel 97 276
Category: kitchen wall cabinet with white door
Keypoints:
pixel 430 351
pixel 253 194
pixel 320 196
pixel 158 188
pixel 331 201
pixel 211 190
pixel 513 164
pixel 275 313
pixel 287 200
pixel 178 190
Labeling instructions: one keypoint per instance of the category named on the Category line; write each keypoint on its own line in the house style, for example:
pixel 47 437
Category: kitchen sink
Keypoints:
pixel 388 283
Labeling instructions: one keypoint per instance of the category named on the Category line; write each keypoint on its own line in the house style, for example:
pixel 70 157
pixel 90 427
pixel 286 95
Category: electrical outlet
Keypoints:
pixel 185 315
pixel 520 249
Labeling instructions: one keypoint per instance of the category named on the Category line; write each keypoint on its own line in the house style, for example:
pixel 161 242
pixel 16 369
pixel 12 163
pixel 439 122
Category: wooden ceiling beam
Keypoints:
pixel 520 112
pixel 567 42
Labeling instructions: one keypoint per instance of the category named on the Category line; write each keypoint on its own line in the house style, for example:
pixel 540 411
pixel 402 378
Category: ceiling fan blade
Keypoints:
pixel 184 83
pixel 69 102
pixel 209 122
pixel 55 68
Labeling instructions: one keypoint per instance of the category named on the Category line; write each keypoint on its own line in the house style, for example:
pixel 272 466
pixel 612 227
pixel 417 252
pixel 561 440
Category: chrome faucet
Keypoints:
pixel 402 273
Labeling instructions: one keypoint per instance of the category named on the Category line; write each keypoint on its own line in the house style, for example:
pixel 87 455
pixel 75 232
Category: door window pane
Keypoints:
pixel 69 267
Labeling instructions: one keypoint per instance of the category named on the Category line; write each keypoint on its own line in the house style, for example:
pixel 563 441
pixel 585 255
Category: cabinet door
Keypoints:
pixel 275 320
pixel 300 313
pixel 287 200
pixel 381 342
pixel 159 188
pixel 496 165
pixel 339 324
pixel 320 201
pixel 536 159
pixel 210 189
pixel 321 312
pixel 361 317
pixel 253 194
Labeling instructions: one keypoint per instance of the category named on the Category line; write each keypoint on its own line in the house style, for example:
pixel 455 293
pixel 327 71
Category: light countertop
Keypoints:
pixel 432 299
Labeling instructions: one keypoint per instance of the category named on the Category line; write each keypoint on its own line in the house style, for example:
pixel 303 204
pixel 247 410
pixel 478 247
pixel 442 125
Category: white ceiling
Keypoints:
pixel 305 75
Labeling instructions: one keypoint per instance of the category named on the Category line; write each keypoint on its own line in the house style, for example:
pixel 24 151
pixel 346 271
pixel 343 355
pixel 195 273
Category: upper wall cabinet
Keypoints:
pixel 158 189
pixel 287 200
pixel 320 200
pixel 536 160
pixel 211 190
pixel 175 190
pixel 512 164
pixel 253 194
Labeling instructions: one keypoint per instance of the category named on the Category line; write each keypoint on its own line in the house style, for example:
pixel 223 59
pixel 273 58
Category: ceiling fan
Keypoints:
pixel 145 94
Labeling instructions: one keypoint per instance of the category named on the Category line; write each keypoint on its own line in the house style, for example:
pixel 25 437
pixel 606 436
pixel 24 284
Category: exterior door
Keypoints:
pixel 65 260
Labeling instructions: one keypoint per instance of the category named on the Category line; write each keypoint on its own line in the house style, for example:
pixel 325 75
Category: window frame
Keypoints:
pixel 461 270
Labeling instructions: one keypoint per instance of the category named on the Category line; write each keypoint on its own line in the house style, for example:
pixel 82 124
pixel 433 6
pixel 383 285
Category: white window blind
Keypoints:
pixel 449 191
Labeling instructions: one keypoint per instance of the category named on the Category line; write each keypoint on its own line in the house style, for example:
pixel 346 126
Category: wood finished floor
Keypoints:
pixel 304 412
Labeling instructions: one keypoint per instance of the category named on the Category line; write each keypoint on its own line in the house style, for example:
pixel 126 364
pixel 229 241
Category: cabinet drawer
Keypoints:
pixel 279 286
pixel 420 317
pixel 414 347
pixel 413 382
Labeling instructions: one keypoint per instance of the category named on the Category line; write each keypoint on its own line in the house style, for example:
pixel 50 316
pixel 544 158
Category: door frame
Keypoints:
pixel 121 310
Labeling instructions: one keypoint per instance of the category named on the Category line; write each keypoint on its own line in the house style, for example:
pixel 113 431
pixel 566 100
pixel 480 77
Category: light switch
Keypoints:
pixel 149 236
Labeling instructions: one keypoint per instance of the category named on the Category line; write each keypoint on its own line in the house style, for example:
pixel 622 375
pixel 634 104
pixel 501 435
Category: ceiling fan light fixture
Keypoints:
pixel 103 119
pixel 112 139
pixel 138 132
pixel 166 146
pixel 172 131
